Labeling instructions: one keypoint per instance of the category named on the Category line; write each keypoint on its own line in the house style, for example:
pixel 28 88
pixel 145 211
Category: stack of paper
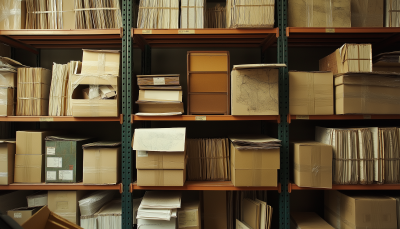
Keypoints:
pixel 110 215
pixel 33 91
pixel 58 90
pixel 74 67
pixel 161 14
pixel 192 14
pixel 37 200
pixel 8 85
pixel 44 14
pixel 208 159
pixel 91 204
pixel 216 17
pixel 159 95
pixel 250 13
pixel 97 14
pixel 255 143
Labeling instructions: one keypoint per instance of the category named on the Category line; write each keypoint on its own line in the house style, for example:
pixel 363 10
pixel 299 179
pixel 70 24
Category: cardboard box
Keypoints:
pixel 64 159
pixel 7 101
pixel 255 159
pixel 309 220
pixel 32 141
pixel 254 177
pixel 215 213
pixel 255 91
pixel 320 13
pixel 101 62
pixel 189 215
pixel 160 160
pixel 13 199
pixel 348 58
pixel 65 204
pixel 21 215
pixel 311 93
pixel 45 219
pixel 37 200
pixel 13 14
pixel 7 78
pixel 313 165
pixel 355 211
pixel 102 163
pixel 367 13
pixel 29 168
pixel 7 151
pixel 161 177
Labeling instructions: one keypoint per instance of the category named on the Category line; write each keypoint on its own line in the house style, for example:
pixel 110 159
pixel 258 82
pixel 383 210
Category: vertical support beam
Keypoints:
pixel 283 128
pixel 126 128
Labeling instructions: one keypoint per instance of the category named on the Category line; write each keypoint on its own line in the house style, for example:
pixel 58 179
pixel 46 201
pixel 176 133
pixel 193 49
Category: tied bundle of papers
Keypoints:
pixel 255 143
pixel 8 85
pixel 160 14
pixel 192 14
pixel 97 14
pixel 159 95
pixel 216 17
pixel 250 13
pixel 44 14
pixel 59 90
pixel 208 159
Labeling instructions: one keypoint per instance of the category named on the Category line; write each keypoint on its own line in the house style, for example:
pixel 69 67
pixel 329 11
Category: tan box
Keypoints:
pixel 100 62
pixel 7 101
pixel 21 215
pixel 32 142
pixel 320 13
pixel 215 213
pixel 313 165
pixel 255 159
pixel 189 215
pixel 367 13
pixel 255 91
pixel 254 177
pixel 161 177
pixel 29 168
pixel 101 163
pixel 13 13
pixel 348 58
pixel 160 160
pixel 311 93
pixel 309 220
pixel 7 151
pixel 8 79
pixel 65 204
pixel 356 211
pixel 45 219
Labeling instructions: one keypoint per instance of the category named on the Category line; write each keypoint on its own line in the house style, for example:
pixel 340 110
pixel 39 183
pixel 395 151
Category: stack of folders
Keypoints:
pixel 192 14
pixel 216 17
pixel 159 95
pixel 250 13
pixel 97 14
pixel 161 14
pixel 92 204
pixel 256 143
pixel 44 14
pixel 158 210
pixel 208 159
pixel 160 156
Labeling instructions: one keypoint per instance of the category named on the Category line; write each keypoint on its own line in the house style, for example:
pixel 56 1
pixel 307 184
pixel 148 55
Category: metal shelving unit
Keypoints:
pixel 205 186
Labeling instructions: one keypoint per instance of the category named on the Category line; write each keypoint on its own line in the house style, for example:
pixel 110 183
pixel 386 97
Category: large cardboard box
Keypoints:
pixel 7 101
pixel 215 213
pixel 367 13
pixel 7 151
pixel 308 220
pixel 29 168
pixel 21 215
pixel 313 165
pixel 102 163
pixel 255 159
pixel 64 159
pixel 13 199
pixel 13 13
pixel 319 13
pixel 344 210
pixel 348 58
pixel 45 219
pixel 311 93
pixel 160 160
pixel 32 142
pixel 254 177
pixel 255 91
pixel 189 215
pixel 65 204
pixel 161 177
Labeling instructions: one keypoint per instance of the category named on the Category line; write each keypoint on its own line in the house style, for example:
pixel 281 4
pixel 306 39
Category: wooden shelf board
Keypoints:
pixel 203 185
pixel 350 187
pixel 59 119
pixel 340 117
pixel 207 118
pixel 59 186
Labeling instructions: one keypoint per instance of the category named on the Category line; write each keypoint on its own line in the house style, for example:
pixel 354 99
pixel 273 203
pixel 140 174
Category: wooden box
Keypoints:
pixel 208 82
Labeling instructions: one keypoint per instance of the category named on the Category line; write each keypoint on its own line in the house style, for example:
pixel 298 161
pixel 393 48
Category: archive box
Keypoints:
pixel 7 151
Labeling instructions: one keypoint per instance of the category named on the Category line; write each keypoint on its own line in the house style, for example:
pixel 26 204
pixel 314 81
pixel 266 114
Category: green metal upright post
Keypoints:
pixel 283 128
pixel 126 129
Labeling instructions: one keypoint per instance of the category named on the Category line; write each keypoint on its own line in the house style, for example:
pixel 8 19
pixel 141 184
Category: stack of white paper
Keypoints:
pixel 161 14
pixel 110 216
pixel 92 204
pixel 192 14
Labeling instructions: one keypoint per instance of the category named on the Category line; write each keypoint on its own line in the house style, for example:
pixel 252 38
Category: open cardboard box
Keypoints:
pixel 45 219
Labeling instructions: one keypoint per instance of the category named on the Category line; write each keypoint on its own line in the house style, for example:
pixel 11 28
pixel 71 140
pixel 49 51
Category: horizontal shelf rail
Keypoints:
pixel 340 117
pixel 60 186
pixel 206 118
pixel 59 119
pixel 350 187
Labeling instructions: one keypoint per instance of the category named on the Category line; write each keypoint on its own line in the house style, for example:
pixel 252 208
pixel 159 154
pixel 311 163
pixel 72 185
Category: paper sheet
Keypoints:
pixel 160 139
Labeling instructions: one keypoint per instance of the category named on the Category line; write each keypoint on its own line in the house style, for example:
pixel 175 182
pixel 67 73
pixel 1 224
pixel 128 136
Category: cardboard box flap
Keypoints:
pixel 155 76
pixel 159 139
pixel 65 138
pixel 6 62
pixel 102 145
pixel 256 66
pixel 45 219
pixel 7 141
pixel 24 209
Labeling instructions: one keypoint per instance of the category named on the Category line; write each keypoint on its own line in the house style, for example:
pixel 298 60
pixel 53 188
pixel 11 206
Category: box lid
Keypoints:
pixel 102 145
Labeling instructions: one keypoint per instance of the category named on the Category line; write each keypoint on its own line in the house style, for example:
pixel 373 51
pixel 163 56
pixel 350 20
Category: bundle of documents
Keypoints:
pixel 59 90
pixel 255 142
pixel 159 95
pixel 192 14
pixel 208 159
pixel 33 91
pixel 44 14
pixel 110 215
pixel 161 14
pixel 97 14
pixel 92 203
pixel 216 17
pixel 73 68
pixel 392 13
pixel 161 200
pixel 250 13
pixel 12 14
pixel 8 85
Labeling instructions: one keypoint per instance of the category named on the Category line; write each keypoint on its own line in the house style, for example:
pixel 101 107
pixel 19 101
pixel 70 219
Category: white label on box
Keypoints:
pixel 51 150
pixel 187 218
pixel 4 174
pixel 17 215
pixel 54 162
pixel 142 153
pixel 159 81
pixel 66 174
pixel 51 175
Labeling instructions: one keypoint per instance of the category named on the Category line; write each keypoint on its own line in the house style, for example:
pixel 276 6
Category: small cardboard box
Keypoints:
pixel 65 204
pixel 313 165
pixel 38 199
pixel 45 219
pixel 255 159
pixel 309 220
pixel 21 215
pixel 367 13
pixel 100 62
pixel 362 211
pixel 29 168
pixel 64 159
pixel 160 177
pixel 311 93
pixel 7 151
pixel 13 13
pixel 160 160
pixel 254 177
pixel 102 163
pixel 189 215
pixel 31 142
pixel 7 101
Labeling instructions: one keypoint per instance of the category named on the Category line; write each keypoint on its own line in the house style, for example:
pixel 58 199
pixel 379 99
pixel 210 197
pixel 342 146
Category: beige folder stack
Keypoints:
pixel 250 13
pixel 161 14
pixel 208 159
pixel 216 17
pixel 192 14
pixel 97 14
